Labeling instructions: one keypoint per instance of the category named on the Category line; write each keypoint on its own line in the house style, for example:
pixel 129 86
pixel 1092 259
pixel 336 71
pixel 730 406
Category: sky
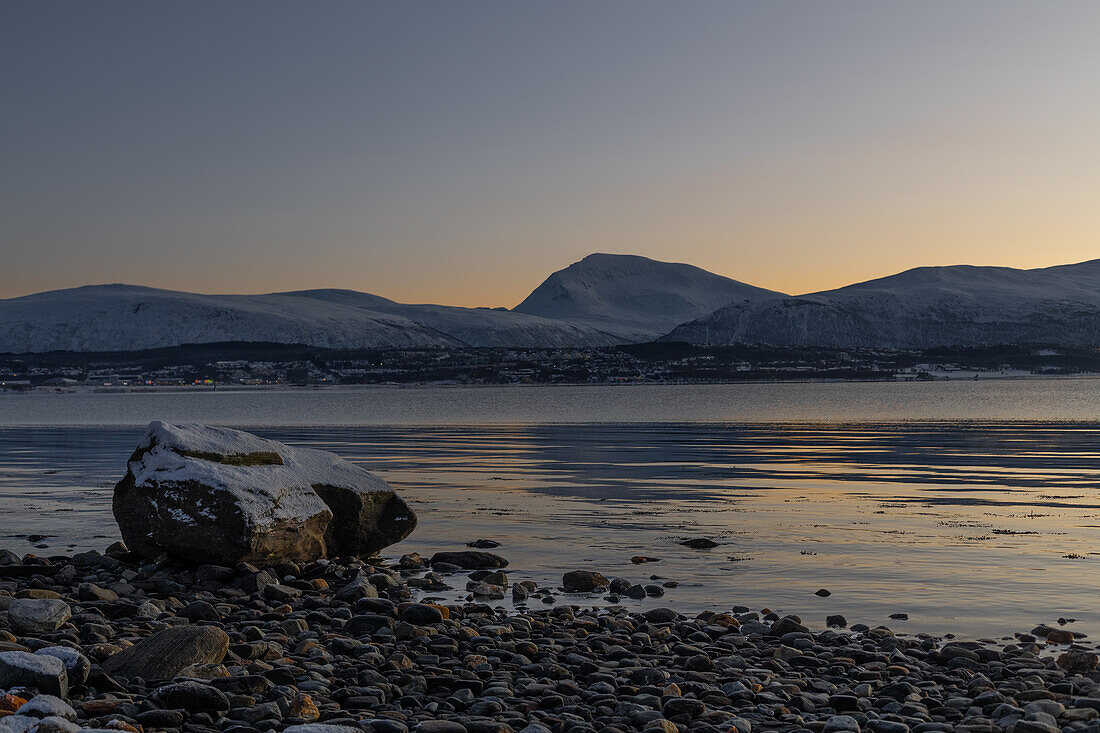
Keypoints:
pixel 459 152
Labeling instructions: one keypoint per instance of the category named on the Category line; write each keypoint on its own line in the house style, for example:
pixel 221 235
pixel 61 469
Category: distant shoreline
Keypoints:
pixel 203 388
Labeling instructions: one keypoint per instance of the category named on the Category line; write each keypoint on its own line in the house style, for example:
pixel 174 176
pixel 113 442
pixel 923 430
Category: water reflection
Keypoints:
pixel 978 527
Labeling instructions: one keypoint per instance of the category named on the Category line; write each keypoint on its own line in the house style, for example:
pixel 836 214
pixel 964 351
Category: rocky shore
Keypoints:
pixel 250 599
pixel 116 641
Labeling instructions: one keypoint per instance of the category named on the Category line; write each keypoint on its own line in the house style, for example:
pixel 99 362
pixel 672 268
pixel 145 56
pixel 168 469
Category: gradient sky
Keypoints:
pixel 459 152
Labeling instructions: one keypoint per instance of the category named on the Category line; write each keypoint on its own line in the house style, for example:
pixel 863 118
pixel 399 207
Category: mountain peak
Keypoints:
pixel 632 296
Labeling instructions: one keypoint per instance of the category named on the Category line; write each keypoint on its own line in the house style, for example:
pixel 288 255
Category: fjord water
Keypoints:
pixel 972 506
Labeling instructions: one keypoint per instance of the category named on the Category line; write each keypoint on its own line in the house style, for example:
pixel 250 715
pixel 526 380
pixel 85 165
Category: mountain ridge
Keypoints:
pixel 601 300
pixel 122 317
pixel 923 307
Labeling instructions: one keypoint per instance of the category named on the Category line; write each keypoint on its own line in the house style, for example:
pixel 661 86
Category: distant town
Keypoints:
pixel 242 364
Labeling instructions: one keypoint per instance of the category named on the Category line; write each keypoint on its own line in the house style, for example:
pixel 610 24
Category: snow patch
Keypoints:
pixel 286 487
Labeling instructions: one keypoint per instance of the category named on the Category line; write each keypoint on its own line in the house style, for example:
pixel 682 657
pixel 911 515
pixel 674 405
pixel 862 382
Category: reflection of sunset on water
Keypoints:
pixel 974 527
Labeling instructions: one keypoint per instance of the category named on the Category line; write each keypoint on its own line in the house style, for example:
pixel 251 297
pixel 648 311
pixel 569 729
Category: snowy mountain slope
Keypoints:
pixel 925 307
pixel 476 326
pixel 631 296
pixel 126 318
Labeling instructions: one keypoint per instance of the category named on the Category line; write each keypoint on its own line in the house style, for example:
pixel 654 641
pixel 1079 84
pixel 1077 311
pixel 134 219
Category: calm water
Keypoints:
pixel 973 507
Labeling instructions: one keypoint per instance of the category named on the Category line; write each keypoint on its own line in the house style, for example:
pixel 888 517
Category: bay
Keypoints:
pixel 972 507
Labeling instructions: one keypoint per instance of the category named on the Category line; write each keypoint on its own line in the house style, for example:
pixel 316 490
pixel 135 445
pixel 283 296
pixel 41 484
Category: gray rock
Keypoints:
pixel 44 673
pixel 887 726
pixel 256 582
pixel 214 495
pixel 194 697
pixel 360 587
pixel 383 725
pixel 1033 726
pixel 38 615
pixel 199 611
pixel 841 723
pixel 280 593
pixel 92 592
pixel 76 664
pixel 41 706
pixel 256 713
pixel 56 724
pixel 660 615
pixel 17 724
pixel 676 706
pixel 439 726
pixel 162 655
pixel 147 610
pixel 740 725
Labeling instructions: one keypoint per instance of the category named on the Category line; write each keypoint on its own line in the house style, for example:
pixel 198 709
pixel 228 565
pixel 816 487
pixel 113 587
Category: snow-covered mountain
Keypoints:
pixel 601 300
pixel 127 318
pixel 925 307
pixel 633 297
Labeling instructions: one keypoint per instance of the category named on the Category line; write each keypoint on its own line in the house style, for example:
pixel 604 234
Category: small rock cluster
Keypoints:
pixel 119 642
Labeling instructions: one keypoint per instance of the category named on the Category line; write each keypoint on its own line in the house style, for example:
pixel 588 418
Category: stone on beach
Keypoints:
pixel 165 653
pixel 194 697
pixel 76 664
pixel 43 706
pixel 469 560
pixel 422 614
pixel 38 615
pixel 583 581
pixel 44 673
pixel 216 495
pixel 1078 661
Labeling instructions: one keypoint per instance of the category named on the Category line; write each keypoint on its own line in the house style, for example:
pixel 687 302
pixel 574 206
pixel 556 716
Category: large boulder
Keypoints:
pixel 215 495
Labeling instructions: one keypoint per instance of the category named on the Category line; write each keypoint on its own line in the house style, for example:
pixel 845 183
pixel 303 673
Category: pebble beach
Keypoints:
pixel 119 642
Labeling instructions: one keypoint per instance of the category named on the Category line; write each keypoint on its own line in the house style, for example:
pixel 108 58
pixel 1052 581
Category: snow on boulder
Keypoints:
pixel 77 666
pixel 23 669
pixel 45 706
pixel 215 495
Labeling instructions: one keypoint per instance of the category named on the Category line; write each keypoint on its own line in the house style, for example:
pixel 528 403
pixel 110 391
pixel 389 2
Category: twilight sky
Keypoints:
pixel 458 152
